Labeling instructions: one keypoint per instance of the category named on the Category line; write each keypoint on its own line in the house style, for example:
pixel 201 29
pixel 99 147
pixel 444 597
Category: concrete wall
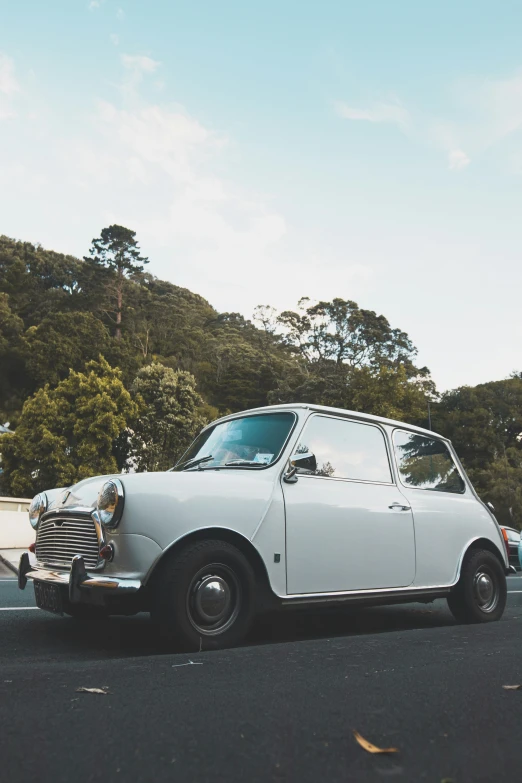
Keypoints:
pixel 15 530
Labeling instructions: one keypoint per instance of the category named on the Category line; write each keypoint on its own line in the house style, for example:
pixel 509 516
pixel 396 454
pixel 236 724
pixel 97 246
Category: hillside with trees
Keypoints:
pixel 104 367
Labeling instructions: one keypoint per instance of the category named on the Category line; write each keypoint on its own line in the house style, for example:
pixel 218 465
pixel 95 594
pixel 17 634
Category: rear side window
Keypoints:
pixel 346 449
pixel 426 463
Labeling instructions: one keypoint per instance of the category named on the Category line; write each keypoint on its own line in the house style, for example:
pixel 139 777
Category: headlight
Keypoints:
pixel 37 508
pixel 110 503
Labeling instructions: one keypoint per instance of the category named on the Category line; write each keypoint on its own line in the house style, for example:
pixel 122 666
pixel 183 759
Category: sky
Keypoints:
pixel 266 151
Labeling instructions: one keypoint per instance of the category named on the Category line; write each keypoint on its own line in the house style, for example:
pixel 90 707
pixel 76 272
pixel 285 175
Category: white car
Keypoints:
pixel 272 507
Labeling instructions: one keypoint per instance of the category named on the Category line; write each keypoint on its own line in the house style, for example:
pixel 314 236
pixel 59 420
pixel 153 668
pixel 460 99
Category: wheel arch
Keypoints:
pixel 480 543
pixel 266 597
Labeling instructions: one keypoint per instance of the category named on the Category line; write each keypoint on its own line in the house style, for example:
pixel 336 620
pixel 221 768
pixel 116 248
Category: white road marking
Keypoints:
pixel 14 579
pixel 16 608
pixel 514 591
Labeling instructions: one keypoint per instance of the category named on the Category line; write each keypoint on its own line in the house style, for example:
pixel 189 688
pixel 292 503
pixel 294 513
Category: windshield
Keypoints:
pixel 252 441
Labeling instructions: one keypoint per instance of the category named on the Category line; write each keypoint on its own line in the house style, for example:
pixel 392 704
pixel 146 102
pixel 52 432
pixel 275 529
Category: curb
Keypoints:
pixel 9 565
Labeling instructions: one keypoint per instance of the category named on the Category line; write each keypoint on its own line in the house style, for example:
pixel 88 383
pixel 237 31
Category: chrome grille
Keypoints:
pixel 59 539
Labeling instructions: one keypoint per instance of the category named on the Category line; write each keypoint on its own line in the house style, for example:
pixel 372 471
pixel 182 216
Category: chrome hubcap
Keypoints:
pixel 486 590
pixel 213 599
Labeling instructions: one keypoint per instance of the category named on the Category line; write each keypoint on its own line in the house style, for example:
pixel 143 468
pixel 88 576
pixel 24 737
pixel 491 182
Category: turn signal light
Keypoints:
pixel 506 539
pixel 107 552
pixel 32 547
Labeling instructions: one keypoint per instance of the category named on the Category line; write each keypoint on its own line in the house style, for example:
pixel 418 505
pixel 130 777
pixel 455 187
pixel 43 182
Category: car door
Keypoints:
pixel 348 527
pixel 447 514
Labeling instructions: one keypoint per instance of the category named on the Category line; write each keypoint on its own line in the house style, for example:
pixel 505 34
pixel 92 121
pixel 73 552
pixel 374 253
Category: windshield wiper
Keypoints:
pixel 244 462
pixel 191 463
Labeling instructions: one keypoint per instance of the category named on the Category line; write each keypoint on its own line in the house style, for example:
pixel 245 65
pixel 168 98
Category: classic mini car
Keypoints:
pixel 272 507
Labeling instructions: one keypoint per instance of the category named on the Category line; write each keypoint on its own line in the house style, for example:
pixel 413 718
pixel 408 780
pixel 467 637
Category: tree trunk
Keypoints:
pixel 119 298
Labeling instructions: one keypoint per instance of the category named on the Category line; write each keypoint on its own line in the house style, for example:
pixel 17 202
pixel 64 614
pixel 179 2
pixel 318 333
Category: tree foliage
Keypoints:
pixel 61 342
pixel 485 425
pixel 67 433
pixel 170 415
pixel 351 358
pixel 341 333
pixel 114 255
pixel 170 357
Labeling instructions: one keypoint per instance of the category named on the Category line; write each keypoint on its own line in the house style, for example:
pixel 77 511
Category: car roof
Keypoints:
pixel 336 411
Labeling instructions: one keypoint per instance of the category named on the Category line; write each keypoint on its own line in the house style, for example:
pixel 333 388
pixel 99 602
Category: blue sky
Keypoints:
pixel 268 151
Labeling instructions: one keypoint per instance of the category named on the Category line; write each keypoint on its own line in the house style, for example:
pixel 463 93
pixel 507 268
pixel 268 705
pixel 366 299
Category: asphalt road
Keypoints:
pixel 280 708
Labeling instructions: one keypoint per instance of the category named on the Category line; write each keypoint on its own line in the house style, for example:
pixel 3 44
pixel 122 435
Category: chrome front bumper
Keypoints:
pixel 76 580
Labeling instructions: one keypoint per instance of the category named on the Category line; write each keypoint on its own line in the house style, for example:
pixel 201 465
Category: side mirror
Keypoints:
pixel 305 461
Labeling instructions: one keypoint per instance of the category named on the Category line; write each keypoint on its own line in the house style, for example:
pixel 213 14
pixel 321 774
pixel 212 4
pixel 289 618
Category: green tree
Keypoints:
pixel 384 392
pixel 350 358
pixel 62 342
pixel 240 363
pixel 35 456
pixel 67 434
pixel 115 254
pixel 484 423
pixel 171 415
pixel 11 361
pixel 38 281
pixel 342 333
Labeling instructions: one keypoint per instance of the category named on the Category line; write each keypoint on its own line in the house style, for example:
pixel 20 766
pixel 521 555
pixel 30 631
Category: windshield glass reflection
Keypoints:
pixel 251 441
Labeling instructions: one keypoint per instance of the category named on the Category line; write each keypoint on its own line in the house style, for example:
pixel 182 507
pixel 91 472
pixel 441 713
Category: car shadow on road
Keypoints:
pixel 296 625
pixel 118 637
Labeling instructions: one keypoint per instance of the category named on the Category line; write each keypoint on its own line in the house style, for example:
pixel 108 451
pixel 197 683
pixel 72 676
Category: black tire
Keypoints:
pixel 481 593
pixel 203 598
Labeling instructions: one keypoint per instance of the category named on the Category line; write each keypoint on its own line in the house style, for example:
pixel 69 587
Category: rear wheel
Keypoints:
pixel 481 593
pixel 203 597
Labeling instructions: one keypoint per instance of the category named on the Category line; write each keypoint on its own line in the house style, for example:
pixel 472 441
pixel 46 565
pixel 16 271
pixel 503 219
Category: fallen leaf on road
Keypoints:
pixel 512 687
pixel 91 690
pixel 372 748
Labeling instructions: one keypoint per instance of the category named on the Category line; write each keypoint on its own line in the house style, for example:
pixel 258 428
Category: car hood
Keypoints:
pixel 85 493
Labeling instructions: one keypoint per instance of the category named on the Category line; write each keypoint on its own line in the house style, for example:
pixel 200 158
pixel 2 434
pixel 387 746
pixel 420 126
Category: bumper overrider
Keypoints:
pixel 80 585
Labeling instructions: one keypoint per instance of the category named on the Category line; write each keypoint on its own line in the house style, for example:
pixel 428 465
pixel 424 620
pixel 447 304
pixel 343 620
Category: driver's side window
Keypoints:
pixel 345 449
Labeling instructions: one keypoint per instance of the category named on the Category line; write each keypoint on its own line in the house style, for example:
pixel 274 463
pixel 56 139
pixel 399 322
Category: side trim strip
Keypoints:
pixel 385 592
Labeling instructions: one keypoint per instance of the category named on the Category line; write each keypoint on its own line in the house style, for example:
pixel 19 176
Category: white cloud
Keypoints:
pixel 8 83
pixel 490 115
pixel 94 4
pixel 159 136
pixel 209 223
pixel 155 167
pixel 139 63
pixel 136 67
pixel 120 13
pixel 457 159
pixel 393 113
pixel 501 100
pixel 115 39
pixel 8 86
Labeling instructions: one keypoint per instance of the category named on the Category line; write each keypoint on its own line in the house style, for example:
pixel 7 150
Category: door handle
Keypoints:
pixel 399 507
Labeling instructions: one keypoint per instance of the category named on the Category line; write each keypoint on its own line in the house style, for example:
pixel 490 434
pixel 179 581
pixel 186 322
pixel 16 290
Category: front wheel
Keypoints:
pixel 203 598
pixel 481 593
